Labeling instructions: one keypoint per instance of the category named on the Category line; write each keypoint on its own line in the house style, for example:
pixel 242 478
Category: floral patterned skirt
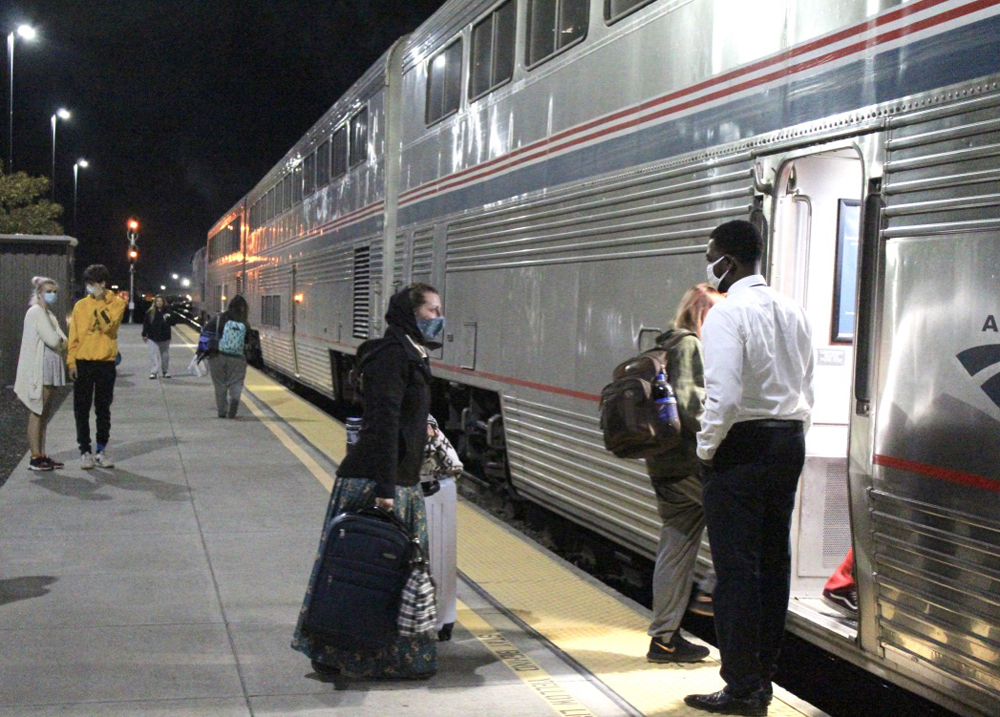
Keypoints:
pixel 408 657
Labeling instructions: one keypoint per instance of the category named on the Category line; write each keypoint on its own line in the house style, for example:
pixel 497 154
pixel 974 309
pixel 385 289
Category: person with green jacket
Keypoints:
pixel 675 476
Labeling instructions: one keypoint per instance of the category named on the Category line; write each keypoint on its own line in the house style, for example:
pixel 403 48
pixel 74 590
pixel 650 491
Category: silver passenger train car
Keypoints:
pixel 554 167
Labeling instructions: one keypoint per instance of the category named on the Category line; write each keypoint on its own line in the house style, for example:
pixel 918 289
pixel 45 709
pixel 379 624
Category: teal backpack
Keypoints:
pixel 233 335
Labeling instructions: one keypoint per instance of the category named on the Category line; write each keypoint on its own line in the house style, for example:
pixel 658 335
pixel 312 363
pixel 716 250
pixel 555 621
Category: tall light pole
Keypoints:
pixel 25 32
pixel 76 169
pixel 133 255
pixel 61 114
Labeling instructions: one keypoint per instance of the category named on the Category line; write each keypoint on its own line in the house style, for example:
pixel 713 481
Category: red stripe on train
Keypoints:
pixel 971 479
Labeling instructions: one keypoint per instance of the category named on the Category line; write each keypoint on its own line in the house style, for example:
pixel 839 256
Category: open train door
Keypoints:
pixel 815 200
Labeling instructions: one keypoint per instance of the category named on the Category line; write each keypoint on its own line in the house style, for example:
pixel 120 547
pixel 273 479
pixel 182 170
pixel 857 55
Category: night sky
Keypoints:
pixel 180 106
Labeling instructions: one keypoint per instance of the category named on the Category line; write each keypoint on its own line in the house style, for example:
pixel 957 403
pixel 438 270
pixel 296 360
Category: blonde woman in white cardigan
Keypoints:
pixel 40 368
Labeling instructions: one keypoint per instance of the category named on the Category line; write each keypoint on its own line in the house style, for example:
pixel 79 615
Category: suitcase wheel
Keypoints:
pixel 444 634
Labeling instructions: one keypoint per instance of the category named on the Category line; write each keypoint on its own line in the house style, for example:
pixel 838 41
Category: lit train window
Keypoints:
pixel 297 184
pixel 554 25
pixel 615 10
pixel 359 137
pixel 309 180
pixel 444 83
pixel 339 162
pixel 323 165
pixel 492 61
pixel 286 193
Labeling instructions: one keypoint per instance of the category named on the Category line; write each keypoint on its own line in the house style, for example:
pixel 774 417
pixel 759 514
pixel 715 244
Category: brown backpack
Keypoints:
pixel 629 417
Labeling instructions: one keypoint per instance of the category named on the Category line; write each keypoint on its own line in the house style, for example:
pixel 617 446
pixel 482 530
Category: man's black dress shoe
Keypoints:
pixel 723 703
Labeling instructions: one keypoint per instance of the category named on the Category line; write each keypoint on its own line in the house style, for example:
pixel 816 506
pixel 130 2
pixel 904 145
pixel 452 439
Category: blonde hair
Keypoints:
pixel 37 285
pixel 152 306
pixel 694 307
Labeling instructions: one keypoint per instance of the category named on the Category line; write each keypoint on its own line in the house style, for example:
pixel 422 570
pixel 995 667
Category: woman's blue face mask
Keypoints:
pixel 431 329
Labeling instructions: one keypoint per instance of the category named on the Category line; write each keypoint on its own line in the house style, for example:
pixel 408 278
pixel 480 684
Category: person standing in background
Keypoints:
pixel 93 346
pixel 40 367
pixel 156 333
pixel 758 400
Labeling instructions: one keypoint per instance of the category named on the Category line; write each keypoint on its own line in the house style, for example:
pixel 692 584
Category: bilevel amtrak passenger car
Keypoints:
pixel 555 168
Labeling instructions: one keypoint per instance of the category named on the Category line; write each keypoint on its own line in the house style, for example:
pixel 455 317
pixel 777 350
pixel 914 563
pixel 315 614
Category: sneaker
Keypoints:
pixel 677 650
pixel 166 375
pixel 54 463
pixel 152 376
pixel 39 464
pixel 701 604
pixel 843 600
pixel 86 461
pixel 103 459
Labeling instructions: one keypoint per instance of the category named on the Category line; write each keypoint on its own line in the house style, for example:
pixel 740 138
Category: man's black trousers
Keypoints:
pixel 94 386
pixel 748 495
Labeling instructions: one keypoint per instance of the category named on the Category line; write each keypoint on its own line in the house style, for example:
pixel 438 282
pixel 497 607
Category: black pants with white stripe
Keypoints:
pixel 748 497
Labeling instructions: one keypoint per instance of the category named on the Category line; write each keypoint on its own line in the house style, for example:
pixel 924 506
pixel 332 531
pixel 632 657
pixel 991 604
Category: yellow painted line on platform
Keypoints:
pixel 603 634
pixel 557 697
pixel 286 440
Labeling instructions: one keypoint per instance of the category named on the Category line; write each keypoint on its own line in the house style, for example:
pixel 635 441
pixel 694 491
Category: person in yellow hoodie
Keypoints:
pixel 93 345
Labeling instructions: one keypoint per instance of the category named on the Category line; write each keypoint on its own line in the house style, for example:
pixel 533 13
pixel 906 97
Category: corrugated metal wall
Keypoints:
pixel 21 258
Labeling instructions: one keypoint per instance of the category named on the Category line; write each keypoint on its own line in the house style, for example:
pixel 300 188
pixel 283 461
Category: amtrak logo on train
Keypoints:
pixel 979 358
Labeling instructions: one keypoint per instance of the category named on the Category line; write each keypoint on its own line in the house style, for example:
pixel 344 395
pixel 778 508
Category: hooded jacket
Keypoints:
pixel 93 329
pixel 396 392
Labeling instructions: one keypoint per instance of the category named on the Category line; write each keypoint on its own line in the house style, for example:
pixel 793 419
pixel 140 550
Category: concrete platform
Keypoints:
pixel 170 584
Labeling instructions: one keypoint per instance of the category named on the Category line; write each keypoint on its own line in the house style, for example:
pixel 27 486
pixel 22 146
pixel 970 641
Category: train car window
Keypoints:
pixel 492 60
pixel 323 165
pixel 309 180
pixel 615 10
pixel 359 137
pixel 444 83
pixel 339 154
pixel 287 192
pixel 279 198
pixel 269 199
pixel 270 311
pixel 297 184
pixel 553 26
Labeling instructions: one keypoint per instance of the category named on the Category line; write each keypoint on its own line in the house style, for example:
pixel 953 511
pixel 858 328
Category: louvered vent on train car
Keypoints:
pixel 422 259
pixel 399 263
pixel 362 292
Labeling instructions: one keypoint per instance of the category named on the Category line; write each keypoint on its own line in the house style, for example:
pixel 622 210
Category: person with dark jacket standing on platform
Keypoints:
pixel 383 469
pixel 93 347
pixel 759 395
pixel 156 333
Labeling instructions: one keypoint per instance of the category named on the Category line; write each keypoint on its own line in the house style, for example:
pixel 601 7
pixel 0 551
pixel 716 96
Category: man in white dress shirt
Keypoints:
pixel 758 384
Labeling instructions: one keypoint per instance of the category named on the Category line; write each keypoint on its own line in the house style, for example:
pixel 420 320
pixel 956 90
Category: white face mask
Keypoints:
pixel 93 289
pixel 50 297
pixel 714 280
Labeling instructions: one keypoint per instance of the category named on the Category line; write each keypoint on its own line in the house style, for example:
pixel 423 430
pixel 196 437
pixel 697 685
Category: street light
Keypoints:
pixel 76 168
pixel 61 114
pixel 132 233
pixel 25 32
pixel 175 277
pixel 185 282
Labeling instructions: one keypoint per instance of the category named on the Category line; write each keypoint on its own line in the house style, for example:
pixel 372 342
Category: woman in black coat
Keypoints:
pixel 156 333
pixel 384 469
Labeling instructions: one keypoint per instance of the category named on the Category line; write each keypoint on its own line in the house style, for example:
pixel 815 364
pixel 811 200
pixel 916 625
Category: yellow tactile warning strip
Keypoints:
pixel 558 698
pixel 601 633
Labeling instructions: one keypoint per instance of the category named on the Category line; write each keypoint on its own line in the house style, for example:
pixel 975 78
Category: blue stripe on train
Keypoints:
pixel 951 57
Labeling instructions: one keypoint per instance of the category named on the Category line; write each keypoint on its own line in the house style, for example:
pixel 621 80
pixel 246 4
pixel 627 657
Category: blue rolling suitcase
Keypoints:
pixel 356 597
